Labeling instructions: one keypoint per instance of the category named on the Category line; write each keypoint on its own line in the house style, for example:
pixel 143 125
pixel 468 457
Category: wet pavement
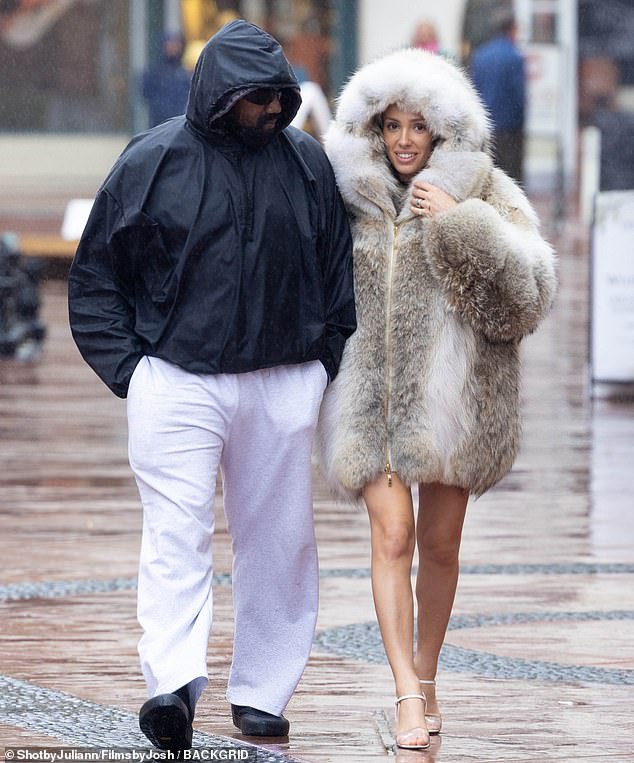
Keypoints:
pixel 539 659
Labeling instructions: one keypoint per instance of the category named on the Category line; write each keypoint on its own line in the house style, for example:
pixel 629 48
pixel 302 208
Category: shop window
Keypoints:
pixel 303 27
pixel 64 65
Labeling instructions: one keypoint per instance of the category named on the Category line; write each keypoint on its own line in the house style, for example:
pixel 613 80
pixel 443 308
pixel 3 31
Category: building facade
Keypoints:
pixel 70 69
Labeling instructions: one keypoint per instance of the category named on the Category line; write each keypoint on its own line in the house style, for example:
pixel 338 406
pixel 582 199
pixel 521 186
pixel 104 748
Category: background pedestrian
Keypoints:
pixel 498 72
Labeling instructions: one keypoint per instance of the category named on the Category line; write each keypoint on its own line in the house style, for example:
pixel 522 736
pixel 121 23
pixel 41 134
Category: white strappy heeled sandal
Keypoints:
pixel 410 739
pixel 433 720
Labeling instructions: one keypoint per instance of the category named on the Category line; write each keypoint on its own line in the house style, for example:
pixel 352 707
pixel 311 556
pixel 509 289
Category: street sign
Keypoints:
pixel 612 288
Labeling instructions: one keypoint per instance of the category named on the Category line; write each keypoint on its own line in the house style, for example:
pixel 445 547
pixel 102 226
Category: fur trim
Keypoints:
pixel 416 81
pixel 504 297
pixel 422 82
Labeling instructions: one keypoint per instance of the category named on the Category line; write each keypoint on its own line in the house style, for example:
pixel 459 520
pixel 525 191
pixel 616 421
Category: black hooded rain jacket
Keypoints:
pixel 209 254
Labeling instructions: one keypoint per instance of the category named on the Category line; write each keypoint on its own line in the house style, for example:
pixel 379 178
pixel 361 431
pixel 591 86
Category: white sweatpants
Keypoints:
pixel 258 427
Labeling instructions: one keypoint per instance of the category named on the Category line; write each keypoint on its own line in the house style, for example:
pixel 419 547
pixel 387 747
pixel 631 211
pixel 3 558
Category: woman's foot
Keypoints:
pixel 433 718
pixel 411 732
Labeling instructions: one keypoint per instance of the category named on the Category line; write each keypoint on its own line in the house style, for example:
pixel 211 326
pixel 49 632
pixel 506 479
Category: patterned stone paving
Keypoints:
pixel 539 660
pixel 362 641
pixel 62 588
pixel 75 722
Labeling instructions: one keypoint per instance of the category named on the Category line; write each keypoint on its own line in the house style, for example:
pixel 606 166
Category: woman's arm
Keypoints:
pixel 496 269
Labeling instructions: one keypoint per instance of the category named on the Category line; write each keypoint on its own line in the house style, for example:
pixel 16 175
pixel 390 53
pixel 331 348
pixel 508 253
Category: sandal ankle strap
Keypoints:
pixel 427 682
pixel 398 700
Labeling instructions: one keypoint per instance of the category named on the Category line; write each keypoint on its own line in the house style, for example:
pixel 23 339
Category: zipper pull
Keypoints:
pixel 388 473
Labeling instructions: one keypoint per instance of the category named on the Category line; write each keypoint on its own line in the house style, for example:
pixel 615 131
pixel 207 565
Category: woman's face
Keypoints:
pixel 408 142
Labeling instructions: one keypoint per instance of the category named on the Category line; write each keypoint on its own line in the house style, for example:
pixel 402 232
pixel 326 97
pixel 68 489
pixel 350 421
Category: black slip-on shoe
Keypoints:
pixel 166 721
pixel 257 723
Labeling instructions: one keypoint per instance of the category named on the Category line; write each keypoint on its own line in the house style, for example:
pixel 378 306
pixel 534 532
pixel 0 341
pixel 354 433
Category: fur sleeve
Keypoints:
pixel 496 269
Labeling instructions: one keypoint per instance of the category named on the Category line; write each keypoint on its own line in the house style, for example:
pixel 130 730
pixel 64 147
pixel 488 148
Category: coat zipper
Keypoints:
pixel 388 357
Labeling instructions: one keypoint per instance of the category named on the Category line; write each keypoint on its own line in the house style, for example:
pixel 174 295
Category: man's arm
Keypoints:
pixel 338 282
pixel 100 294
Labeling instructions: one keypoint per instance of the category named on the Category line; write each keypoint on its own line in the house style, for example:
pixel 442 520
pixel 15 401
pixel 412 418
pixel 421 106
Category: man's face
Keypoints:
pixel 173 49
pixel 254 117
pixel 258 110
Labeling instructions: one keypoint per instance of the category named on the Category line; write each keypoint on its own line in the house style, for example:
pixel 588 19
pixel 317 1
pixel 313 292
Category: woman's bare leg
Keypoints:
pixel 441 516
pixel 393 539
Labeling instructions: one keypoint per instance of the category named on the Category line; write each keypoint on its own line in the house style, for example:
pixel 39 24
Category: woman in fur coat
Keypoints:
pixel 450 273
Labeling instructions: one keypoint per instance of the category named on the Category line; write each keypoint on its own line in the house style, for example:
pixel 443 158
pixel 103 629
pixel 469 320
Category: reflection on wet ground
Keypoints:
pixel 539 663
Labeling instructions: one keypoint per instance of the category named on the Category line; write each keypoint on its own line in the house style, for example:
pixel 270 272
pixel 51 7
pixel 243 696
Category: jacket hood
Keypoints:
pixel 239 58
pixel 417 81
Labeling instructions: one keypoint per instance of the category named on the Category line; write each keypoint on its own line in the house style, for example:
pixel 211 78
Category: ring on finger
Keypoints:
pixel 419 203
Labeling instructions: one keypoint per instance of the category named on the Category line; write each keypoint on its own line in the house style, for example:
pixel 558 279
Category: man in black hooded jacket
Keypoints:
pixel 212 287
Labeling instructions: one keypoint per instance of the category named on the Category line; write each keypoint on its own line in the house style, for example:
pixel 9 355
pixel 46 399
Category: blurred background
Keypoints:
pixel 72 92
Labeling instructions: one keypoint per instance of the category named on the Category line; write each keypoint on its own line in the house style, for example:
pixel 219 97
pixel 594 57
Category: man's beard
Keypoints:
pixel 256 136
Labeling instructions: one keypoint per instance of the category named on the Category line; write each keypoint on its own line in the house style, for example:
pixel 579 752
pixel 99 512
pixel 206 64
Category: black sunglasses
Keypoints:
pixel 263 96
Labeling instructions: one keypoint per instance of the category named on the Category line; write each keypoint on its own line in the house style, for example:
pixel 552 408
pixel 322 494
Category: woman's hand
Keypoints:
pixel 428 200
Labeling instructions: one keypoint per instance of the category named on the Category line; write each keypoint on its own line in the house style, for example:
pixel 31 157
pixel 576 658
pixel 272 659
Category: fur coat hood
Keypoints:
pixel 429 383
pixel 422 83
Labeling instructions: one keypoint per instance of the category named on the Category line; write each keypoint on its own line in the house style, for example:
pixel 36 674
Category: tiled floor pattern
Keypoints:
pixel 539 660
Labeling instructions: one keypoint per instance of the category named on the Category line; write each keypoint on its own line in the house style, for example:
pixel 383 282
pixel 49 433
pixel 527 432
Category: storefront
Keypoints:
pixel 72 68
pixel 75 65
pixel 64 66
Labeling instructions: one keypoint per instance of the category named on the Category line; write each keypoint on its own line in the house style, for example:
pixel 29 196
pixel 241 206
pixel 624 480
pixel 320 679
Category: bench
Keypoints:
pixel 35 245
pixel 64 245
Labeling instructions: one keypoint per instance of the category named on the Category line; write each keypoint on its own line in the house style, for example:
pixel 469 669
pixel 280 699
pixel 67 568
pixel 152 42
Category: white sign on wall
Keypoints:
pixel 612 297
pixel 544 83
pixel 75 218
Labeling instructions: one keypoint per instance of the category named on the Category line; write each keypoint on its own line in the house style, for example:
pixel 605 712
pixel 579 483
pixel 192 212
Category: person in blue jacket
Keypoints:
pixel 165 85
pixel 213 288
pixel 498 73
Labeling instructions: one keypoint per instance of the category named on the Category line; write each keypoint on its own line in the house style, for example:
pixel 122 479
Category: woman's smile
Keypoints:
pixel 408 142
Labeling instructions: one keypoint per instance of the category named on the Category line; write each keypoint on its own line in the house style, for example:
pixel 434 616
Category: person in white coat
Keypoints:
pixel 450 273
pixel 314 113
